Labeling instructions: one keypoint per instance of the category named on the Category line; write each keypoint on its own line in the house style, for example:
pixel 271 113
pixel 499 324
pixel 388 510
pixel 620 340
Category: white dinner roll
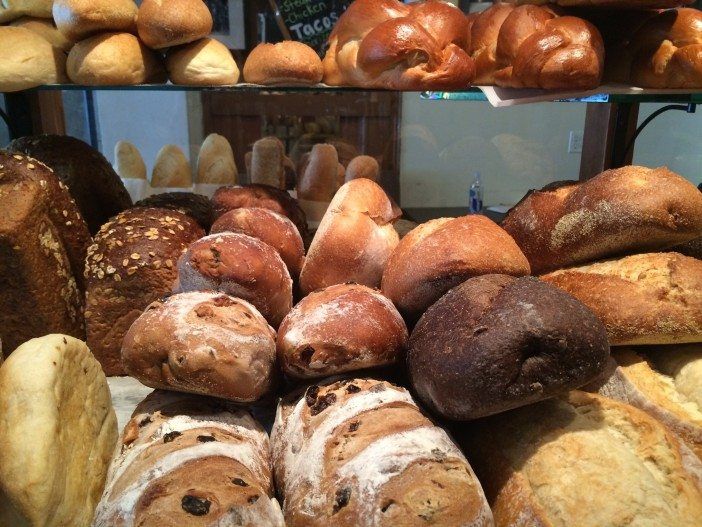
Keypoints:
pixel 78 19
pixel 28 60
pixel 206 62
pixel 46 29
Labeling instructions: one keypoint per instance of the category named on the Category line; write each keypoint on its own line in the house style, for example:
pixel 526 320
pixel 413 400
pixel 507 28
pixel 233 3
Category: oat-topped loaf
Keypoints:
pixel 43 241
pixel 132 263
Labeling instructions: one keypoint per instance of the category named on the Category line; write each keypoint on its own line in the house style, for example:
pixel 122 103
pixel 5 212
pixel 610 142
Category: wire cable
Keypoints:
pixel 688 108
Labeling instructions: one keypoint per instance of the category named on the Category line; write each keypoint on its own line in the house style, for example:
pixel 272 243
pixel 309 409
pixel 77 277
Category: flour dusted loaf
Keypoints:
pixel 359 452
pixel 585 460
pixel 651 298
pixel 191 461
pixel 205 343
pixel 342 328
pixel 132 263
pixel 43 243
pixel 625 210
pixel 57 434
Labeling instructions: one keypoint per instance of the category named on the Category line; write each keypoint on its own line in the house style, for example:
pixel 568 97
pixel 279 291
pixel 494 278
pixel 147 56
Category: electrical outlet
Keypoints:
pixel 575 142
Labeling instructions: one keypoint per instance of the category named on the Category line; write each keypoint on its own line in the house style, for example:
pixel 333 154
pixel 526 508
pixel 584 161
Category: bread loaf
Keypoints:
pixel 271 228
pixel 90 179
pixel 570 223
pixel 194 205
pixel 45 28
pixel 268 163
pixel 587 461
pixel 43 243
pixel 360 452
pixel 167 23
pixel 204 343
pixel 128 161
pixel 57 436
pixel 205 62
pixel 320 179
pixel 287 63
pixel 131 264
pixel 215 163
pixel 642 299
pixel 316 340
pixel 13 9
pixel 28 60
pixel 442 253
pixel 497 342
pixel 171 169
pixel 387 44
pixel 190 461
pixel 354 240
pixel 363 167
pixel 78 19
pixel 241 266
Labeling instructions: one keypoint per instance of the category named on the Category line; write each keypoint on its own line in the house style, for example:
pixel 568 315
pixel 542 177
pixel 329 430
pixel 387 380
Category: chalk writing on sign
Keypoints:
pixel 310 21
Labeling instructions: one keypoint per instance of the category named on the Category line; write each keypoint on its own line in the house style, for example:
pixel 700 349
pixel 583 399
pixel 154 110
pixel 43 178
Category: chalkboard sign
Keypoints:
pixel 309 21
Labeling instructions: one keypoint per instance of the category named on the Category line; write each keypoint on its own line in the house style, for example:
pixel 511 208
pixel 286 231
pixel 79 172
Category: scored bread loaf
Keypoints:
pixel 132 263
pixel 194 205
pixel 585 460
pixel 568 223
pixel 215 162
pixel 316 339
pixel 171 169
pixel 128 161
pixel 642 299
pixel 360 452
pixel 190 461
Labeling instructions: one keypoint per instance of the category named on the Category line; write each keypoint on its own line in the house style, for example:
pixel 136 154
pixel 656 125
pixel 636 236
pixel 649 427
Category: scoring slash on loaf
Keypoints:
pixel 360 452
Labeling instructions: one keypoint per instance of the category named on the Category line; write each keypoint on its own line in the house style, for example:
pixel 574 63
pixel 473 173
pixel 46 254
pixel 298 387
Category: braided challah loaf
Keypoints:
pixel 533 47
pixel 387 44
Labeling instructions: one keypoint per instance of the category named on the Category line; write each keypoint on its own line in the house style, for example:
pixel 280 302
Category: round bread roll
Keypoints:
pixel 363 167
pixel 497 342
pixel 317 340
pixel 172 169
pixel 128 161
pixel 215 162
pixel 13 9
pixel 78 19
pixel 47 30
pixel 241 266
pixel 285 63
pixel 442 253
pixel 205 62
pixel 28 60
pixel 205 343
pixel 270 227
pixel 167 23
pixel 113 59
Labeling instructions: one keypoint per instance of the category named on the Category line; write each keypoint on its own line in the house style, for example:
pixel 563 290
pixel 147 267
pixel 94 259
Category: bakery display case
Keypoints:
pixel 350 263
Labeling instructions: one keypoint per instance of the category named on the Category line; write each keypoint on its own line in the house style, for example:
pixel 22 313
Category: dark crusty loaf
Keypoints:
pixel 496 342
pixel 342 328
pixel 190 461
pixel 360 452
pixel 93 183
pixel 132 263
pixel 194 205
pixel 642 299
pixel 202 342
pixel 43 243
pixel 620 211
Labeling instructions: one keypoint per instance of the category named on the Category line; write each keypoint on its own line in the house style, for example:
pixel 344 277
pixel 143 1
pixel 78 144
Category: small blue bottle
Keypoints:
pixel 475 195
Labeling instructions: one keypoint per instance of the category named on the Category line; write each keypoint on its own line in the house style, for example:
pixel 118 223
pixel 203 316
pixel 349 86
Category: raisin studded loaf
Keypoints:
pixel 190 461
pixel 361 453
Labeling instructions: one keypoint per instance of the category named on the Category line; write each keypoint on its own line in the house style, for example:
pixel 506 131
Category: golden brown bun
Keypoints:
pixel 363 167
pixel 286 63
pixel 113 59
pixel 166 23
pixel 13 9
pixel 45 29
pixel 172 169
pixel 215 162
pixel 205 62
pixel 320 179
pixel 28 60
pixel 78 19
pixel 387 44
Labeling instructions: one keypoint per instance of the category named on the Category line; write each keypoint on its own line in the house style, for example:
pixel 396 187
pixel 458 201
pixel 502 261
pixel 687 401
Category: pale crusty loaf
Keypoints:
pixel 666 382
pixel 587 461
pixel 642 299
pixel 625 210
pixel 215 162
pixel 205 343
pixel 128 161
pixel 360 452
pixel 171 169
pixel 190 461
pixel 46 29
pixel 322 175
pixel 12 9
pixel 28 60
pixel 205 62
pixel 268 163
pixel 78 19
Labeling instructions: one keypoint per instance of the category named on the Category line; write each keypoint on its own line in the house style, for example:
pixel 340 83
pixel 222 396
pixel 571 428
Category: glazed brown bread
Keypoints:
pixel 642 299
pixel 542 464
pixel 194 205
pixel 78 19
pixel 664 381
pixel 270 227
pixel 131 264
pixel 96 188
pixel 533 47
pixel 204 343
pixel 342 328
pixel 360 452
pixel 28 60
pixel 568 223
pixel 285 63
pixel 387 44
pixel 497 342
pixel 241 266
pixel 354 239
pixel 205 62
pixel 43 243
pixel 322 175
pixel 262 196
pixel 442 253
pixel 167 23
pixel 191 461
